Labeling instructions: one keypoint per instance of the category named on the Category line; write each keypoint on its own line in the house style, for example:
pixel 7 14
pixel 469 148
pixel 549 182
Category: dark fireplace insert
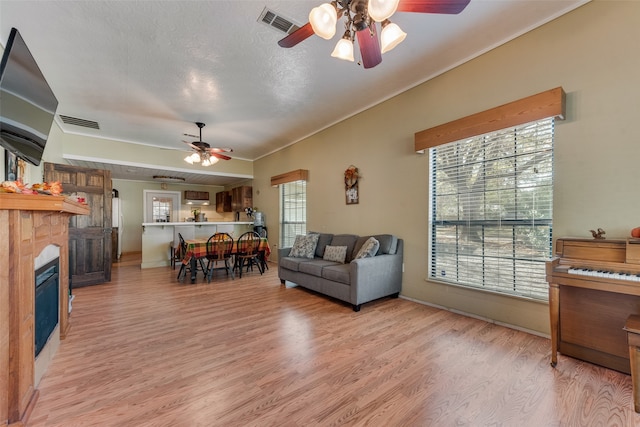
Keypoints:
pixel 47 302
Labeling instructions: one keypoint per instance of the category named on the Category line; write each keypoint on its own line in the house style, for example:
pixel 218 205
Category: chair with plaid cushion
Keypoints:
pixel 247 252
pixel 219 249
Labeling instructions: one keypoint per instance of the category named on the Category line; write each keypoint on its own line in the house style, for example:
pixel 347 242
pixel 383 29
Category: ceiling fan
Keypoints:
pixel 361 18
pixel 203 152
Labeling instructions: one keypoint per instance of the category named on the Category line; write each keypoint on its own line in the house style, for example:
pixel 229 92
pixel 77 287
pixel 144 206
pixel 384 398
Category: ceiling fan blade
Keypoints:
pixel 369 47
pixel 452 7
pixel 220 156
pixel 191 145
pixel 221 150
pixel 297 36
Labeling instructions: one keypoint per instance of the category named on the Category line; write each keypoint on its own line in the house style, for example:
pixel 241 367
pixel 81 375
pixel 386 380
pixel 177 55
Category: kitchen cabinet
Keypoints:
pixel 241 198
pixel 196 195
pixel 223 202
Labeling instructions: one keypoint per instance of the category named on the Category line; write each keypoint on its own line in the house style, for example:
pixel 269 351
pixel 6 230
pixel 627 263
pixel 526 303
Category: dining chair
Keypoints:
pixel 186 268
pixel 262 256
pixel 175 254
pixel 247 252
pixel 219 249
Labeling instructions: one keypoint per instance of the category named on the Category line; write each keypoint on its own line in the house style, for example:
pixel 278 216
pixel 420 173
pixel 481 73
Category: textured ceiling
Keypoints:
pixel 147 70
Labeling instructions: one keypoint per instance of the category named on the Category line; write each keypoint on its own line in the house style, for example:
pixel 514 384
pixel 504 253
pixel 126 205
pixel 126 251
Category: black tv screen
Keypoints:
pixel 27 103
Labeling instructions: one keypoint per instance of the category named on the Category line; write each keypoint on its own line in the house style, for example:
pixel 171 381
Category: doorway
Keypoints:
pixel 161 206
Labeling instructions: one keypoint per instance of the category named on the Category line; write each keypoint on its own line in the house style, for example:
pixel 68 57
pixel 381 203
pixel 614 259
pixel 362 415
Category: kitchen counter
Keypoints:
pixel 144 224
pixel 157 237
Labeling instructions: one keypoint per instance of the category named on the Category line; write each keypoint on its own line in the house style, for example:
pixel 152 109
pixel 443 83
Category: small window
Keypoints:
pixel 161 206
pixel 293 211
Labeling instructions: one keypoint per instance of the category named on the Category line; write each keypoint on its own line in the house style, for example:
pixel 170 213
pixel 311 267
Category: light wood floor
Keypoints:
pixel 145 350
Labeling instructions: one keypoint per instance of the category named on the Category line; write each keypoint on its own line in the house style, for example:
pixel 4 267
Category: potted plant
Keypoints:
pixel 195 212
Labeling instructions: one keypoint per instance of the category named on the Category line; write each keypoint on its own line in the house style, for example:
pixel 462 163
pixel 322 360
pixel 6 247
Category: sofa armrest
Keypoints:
pixel 283 252
pixel 376 277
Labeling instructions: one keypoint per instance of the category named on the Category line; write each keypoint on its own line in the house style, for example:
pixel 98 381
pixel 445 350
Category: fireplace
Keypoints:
pixel 34 231
pixel 47 302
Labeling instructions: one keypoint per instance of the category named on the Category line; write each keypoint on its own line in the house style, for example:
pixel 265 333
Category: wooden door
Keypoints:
pixel 89 235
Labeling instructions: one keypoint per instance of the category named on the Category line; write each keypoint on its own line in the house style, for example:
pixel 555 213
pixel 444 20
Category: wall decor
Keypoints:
pixel 351 176
pixel 10 166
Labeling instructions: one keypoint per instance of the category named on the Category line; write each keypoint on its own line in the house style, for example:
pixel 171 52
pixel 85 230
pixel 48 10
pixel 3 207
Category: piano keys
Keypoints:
pixel 604 273
pixel 594 286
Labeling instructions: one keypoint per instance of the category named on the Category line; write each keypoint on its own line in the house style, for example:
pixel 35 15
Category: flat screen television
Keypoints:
pixel 27 103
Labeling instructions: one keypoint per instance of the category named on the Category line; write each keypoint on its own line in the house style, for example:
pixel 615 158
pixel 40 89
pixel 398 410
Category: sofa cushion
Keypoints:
pixel 335 253
pixel 304 246
pixel 337 273
pixel 292 264
pixel 324 239
pixel 348 240
pixel 368 249
pixel 388 243
pixel 314 267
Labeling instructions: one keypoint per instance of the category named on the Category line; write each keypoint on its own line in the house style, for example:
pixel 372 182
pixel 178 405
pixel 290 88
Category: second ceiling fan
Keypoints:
pixel 203 152
pixel 361 18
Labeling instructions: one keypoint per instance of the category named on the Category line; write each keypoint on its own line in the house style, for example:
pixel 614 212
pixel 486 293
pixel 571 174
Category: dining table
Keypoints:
pixel 197 249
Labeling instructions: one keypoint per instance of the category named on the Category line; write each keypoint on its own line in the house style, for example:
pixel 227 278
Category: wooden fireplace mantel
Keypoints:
pixel 28 202
pixel 28 224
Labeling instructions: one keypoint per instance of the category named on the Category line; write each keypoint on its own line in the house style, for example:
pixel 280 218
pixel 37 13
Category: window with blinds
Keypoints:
pixel 491 210
pixel 293 211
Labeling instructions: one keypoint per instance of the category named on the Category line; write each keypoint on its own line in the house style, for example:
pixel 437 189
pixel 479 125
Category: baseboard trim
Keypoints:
pixel 475 316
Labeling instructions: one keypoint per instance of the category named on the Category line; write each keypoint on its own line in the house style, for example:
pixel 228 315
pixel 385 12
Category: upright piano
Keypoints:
pixel 594 286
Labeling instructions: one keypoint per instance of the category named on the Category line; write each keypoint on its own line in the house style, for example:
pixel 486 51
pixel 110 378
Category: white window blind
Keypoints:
pixel 491 210
pixel 293 211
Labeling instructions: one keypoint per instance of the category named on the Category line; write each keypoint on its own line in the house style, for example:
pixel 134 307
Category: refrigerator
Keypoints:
pixel 117 228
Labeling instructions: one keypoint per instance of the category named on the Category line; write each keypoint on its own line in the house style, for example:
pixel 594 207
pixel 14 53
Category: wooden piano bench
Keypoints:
pixel 632 326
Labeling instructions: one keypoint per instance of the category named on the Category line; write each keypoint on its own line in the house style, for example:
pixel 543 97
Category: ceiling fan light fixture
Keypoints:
pixel 323 20
pixel 210 161
pixel 204 153
pixel 391 36
pixel 344 48
pixel 379 10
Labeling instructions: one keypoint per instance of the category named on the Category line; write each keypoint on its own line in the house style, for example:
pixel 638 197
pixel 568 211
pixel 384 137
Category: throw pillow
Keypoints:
pixel 368 249
pixel 335 253
pixel 304 246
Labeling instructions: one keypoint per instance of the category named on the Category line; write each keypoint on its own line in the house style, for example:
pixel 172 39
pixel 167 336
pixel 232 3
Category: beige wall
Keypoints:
pixel 591 53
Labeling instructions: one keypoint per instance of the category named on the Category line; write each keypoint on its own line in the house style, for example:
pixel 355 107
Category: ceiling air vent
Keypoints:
pixel 277 21
pixel 79 122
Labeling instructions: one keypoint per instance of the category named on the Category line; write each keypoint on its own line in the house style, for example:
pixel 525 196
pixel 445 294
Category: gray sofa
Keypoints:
pixel 356 281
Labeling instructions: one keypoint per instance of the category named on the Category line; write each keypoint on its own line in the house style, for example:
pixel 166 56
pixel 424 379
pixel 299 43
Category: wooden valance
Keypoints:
pixel 536 107
pixel 296 175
